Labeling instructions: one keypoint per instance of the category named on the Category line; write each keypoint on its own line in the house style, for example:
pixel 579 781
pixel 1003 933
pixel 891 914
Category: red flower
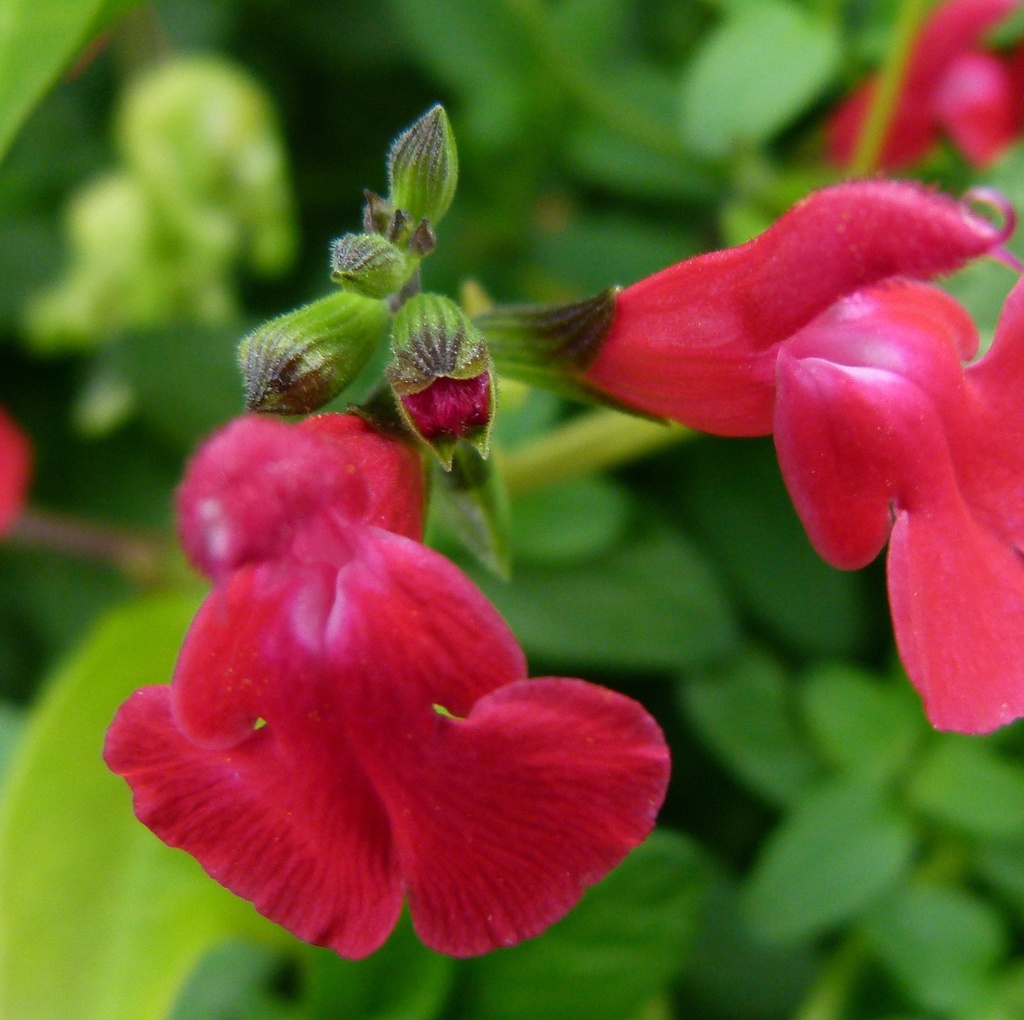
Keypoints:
pixel 698 342
pixel 882 434
pixel 350 721
pixel 15 471
pixel 951 85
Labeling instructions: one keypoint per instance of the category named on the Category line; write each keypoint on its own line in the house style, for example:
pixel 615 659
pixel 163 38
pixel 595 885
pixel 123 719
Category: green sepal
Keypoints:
pixel 423 167
pixel 370 265
pixel 551 346
pixel 471 502
pixel 432 342
pixel 297 362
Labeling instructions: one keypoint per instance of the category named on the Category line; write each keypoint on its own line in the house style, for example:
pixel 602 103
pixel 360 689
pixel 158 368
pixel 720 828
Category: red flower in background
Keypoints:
pixel 951 85
pixel 350 722
pixel 15 471
pixel 808 332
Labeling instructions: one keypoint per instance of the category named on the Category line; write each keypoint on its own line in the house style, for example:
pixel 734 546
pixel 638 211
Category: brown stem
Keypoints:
pixel 137 555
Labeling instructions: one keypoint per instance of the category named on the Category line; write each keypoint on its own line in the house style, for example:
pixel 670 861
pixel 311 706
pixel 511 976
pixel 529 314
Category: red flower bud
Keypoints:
pixel 450 407
pixel 15 471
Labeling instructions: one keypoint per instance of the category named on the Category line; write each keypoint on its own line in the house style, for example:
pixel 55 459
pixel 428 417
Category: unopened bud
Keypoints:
pixel 296 363
pixel 441 374
pixel 423 167
pixel 369 265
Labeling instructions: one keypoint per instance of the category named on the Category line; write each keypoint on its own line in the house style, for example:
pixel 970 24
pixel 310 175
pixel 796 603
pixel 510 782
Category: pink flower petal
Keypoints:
pixel 698 342
pixel 256 481
pixel 301 835
pixel 502 819
pixel 865 395
pixel 957 598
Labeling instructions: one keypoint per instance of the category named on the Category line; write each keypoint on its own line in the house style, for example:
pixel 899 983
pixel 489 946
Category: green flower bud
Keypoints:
pixel 370 265
pixel 201 135
pixel 423 167
pixel 297 362
pixel 441 373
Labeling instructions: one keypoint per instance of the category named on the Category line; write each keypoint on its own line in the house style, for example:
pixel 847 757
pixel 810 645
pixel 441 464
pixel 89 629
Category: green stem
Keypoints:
pixel 590 442
pixel 883 102
pixel 828 996
pixel 585 88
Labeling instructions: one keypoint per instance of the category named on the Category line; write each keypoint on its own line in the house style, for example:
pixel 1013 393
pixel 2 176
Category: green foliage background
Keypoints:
pixel 822 853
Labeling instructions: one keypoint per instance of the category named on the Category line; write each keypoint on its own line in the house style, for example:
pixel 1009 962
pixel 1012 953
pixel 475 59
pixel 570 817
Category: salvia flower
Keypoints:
pixel 882 434
pixel 698 342
pixel 952 85
pixel 15 471
pixel 350 723
pixel 814 332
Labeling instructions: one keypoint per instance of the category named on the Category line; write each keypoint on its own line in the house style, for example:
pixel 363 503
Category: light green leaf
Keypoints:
pixel 98 919
pixel 840 850
pixel 38 39
pixel 860 725
pixel 764 64
pixel 742 711
pixel 942 945
pixel 963 782
pixel 622 945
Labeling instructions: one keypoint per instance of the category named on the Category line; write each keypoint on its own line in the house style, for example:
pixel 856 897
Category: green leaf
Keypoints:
pixel 964 783
pixel 573 521
pixel 942 945
pixel 38 39
pixel 742 711
pixel 623 944
pixel 860 725
pixel 727 100
pixel 736 974
pixel 649 604
pixel 741 510
pixel 185 378
pixel 840 850
pixel 401 981
pixel 98 919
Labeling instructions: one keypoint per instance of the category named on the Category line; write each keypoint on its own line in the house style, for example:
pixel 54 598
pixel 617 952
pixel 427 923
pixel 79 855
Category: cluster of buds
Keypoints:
pixel 440 373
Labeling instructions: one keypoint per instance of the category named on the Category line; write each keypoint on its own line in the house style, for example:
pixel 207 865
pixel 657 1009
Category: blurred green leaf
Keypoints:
pixel 185 378
pixel 735 974
pixel 572 521
pixel 625 941
pixel 228 984
pixel 829 860
pixel 592 252
pixel 965 783
pixel 742 711
pixel 649 604
pixel 38 39
pixel 401 981
pixel 480 50
pixel 98 919
pixel 743 514
pixel 764 64
pixel 859 725
pixel 942 945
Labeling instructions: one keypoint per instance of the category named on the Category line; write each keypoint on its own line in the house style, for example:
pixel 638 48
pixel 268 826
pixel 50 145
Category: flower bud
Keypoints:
pixel 423 167
pixel 297 362
pixel 369 265
pixel 441 373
